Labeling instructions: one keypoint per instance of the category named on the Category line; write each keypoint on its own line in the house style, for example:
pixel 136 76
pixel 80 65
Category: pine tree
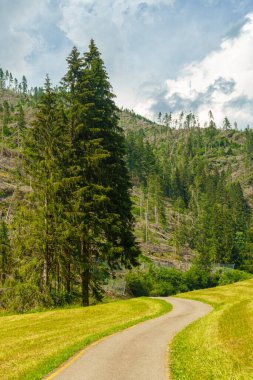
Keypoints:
pixel 5 263
pixel 24 85
pixel 97 174
pixel 102 117
pixel 21 125
pixel 2 79
pixel 226 124
pixel 87 196
pixel 42 150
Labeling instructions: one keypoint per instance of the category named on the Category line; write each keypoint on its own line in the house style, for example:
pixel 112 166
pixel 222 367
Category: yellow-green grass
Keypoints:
pixel 220 345
pixel 32 345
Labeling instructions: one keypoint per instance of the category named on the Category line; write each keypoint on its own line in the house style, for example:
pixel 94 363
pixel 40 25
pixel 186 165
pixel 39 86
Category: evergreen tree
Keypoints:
pixel 104 205
pixel 114 174
pixel 5 261
pixel 2 79
pixel 43 144
pixel 87 196
pixel 24 85
pixel 21 124
pixel 226 124
pixel 249 143
pixel 10 80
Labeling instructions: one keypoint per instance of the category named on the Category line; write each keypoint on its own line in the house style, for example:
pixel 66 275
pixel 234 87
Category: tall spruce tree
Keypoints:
pixel 86 195
pixel 101 207
pixel 42 151
pixel 101 115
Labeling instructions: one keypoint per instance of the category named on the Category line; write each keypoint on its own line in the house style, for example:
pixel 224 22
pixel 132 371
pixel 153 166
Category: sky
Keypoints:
pixel 161 55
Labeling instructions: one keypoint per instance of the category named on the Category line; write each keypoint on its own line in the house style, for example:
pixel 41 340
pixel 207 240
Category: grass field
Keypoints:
pixel 220 345
pixel 31 345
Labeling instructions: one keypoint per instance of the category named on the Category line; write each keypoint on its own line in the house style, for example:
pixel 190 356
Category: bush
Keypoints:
pixel 198 278
pixel 170 276
pixel 155 282
pixel 162 289
pixel 24 297
pixel 233 275
pixel 137 284
pixel 161 281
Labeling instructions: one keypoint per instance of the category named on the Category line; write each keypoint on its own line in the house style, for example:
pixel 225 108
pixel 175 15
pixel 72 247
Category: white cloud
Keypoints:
pixel 144 44
pixel 121 29
pixel 116 11
pixel 80 17
pixel 17 43
pixel 223 79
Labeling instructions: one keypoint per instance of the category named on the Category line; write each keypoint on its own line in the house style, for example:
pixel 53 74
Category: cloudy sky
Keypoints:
pixel 161 55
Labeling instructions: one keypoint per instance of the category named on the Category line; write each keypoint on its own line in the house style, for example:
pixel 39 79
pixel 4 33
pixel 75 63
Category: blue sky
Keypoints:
pixel 161 55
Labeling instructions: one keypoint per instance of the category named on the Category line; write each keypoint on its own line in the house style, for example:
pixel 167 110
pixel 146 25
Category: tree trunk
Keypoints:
pixel 85 288
pixel 46 271
pixel 46 254
pixel 85 275
pixel 67 279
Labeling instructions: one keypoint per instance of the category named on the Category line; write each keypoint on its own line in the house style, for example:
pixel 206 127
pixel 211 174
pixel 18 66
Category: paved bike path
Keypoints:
pixel 137 353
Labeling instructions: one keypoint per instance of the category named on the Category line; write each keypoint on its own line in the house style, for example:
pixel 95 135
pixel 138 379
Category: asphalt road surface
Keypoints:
pixel 138 353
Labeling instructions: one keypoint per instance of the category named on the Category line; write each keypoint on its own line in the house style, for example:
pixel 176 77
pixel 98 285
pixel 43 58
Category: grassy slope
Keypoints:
pixel 32 345
pixel 220 345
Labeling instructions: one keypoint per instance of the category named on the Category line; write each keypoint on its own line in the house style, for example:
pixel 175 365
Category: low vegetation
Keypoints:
pixel 220 345
pixel 162 281
pixel 32 345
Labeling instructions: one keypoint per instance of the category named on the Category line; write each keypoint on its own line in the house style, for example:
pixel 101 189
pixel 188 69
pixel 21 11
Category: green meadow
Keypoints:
pixel 220 345
pixel 32 345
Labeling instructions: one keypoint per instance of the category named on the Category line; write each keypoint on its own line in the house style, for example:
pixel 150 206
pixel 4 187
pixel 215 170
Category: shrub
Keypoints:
pixel 155 281
pixel 162 289
pixel 170 276
pixel 24 297
pixel 161 281
pixel 229 276
pixel 198 278
pixel 138 284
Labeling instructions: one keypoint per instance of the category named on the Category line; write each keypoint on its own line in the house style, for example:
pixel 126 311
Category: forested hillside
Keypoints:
pixel 192 189
pixel 65 189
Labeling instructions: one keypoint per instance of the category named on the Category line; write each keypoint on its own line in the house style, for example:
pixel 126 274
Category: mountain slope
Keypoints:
pixel 184 174
pixel 170 164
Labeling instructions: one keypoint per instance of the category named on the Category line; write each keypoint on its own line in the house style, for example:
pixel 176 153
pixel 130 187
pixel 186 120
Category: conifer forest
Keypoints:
pixel 90 192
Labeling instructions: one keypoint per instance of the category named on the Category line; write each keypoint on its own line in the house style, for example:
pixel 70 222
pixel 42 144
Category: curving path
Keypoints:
pixel 138 353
